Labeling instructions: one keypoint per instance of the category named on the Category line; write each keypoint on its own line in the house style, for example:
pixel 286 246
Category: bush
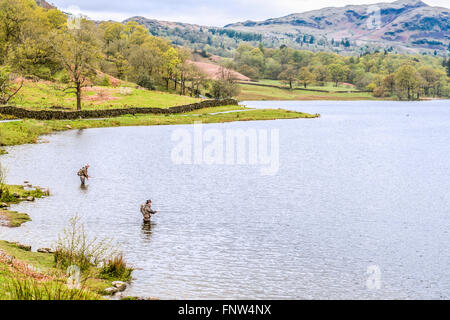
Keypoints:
pixel 105 82
pixel 116 268
pixel 74 248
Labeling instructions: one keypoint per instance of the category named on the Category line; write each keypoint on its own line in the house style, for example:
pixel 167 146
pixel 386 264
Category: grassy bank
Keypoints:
pixel 12 194
pixel 26 275
pixel 28 131
pixel 252 92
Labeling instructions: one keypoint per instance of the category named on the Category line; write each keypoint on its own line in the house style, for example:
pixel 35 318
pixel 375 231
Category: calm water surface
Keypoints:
pixel 366 184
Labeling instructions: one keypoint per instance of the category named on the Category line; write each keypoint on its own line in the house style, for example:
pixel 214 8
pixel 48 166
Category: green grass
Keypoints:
pixel 216 109
pixel 28 131
pixel 328 86
pixel 44 95
pixel 14 219
pixel 46 280
pixel 249 92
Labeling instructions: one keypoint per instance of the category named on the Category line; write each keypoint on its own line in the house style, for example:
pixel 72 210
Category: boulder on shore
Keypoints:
pixel 24 247
pixel 111 290
pixel 120 285
pixel 45 250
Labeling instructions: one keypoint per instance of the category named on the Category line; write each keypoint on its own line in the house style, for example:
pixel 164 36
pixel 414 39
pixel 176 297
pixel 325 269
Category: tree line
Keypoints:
pixel 38 43
pixel 383 73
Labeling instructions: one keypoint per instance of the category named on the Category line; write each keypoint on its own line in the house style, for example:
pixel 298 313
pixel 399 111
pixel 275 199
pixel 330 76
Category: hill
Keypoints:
pixel 45 4
pixel 405 26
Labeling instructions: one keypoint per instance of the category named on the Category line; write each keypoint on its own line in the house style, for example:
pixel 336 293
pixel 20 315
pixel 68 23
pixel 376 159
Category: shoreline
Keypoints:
pixel 28 130
pixel 14 194
pixel 14 256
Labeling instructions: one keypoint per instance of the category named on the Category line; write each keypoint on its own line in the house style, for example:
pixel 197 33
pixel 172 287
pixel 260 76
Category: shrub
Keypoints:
pixel 116 268
pixel 75 248
pixel 105 82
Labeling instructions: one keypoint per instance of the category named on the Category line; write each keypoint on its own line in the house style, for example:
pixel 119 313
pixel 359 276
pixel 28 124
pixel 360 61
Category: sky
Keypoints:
pixel 204 12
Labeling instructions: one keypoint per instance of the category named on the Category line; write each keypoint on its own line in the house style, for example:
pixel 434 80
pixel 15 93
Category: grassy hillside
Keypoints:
pixel 44 95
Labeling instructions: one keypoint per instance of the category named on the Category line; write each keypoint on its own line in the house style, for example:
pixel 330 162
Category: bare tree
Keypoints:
pixel 7 87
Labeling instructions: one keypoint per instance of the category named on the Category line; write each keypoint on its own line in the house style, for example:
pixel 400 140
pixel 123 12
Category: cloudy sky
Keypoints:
pixel 204 12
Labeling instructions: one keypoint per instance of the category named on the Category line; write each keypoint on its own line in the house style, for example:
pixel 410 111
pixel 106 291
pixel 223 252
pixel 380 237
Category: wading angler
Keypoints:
pixel 228 147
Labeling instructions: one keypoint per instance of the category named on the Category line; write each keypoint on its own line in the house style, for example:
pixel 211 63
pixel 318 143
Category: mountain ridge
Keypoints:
pixel 404 23
pixel 403 26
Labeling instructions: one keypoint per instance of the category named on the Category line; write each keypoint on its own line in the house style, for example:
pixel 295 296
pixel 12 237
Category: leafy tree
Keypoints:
pixel 431 79
pixel 170 63
pixel 13 19
pixel 406 81
pixel 78 53
pixel 225 86
pixel 337 73
pixel 389 83
pixel 321 74
pixel 289 75
pixel 305 76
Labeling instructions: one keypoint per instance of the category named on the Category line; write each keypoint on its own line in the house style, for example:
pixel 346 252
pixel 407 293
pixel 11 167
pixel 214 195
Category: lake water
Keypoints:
pixel 364 187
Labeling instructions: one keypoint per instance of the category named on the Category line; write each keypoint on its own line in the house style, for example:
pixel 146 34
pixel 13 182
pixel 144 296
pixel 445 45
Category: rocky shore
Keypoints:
pixel 13 194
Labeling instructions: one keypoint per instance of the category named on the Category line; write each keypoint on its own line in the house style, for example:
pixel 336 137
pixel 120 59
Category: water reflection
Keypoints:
pixel 147 230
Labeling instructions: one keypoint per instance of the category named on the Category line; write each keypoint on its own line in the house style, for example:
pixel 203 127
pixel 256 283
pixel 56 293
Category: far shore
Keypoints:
pixel 28 130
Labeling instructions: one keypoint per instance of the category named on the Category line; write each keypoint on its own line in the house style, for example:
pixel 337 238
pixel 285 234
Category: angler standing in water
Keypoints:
pixel 147 211
pixel 83 174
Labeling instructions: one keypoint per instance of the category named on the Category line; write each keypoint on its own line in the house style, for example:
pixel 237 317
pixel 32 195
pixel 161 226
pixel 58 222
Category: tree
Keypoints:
pixel 389 83
pixel 431 79
pixel 7 87
pixel 305 76
pixel 447 67
pixel 198 79
pixel 170 64
pixel 337 73
pixel 321 74
pixel 406 81
pixel 78 53
pixel 225 86
pixel 289 75
pixel 13 18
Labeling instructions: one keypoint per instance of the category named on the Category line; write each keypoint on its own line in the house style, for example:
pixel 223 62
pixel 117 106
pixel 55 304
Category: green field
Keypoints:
pixel 28 131
pixel 328 86
pixel 251 92
pixel 44 95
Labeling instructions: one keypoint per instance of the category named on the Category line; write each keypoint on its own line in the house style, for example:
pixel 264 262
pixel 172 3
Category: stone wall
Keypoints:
pixel 22 113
